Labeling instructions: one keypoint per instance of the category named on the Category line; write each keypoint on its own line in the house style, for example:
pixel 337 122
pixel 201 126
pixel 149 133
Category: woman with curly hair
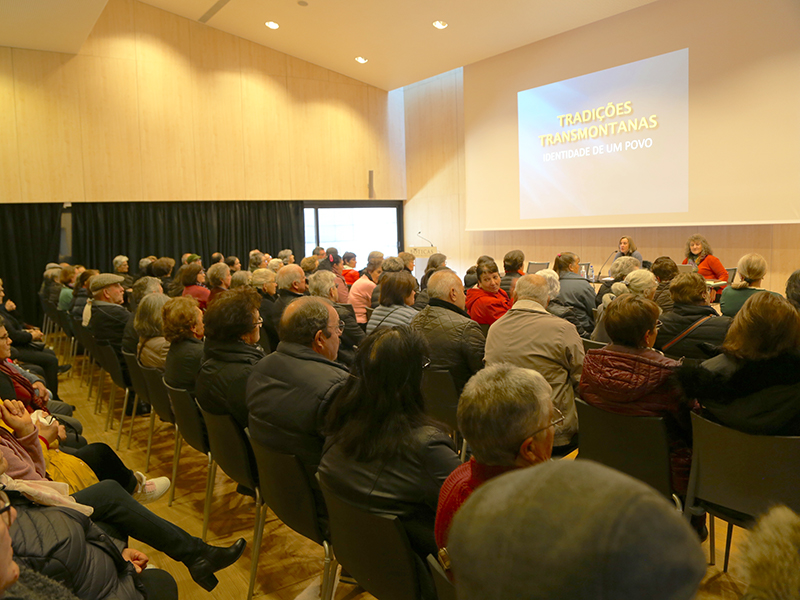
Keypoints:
pixel 698 253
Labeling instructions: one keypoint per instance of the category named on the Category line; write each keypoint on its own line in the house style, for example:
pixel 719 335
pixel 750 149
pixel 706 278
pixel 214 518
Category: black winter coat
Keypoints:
pixel 703 342
pixel 183 363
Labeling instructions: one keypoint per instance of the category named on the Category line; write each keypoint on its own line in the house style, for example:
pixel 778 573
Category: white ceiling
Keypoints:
pixel 397 36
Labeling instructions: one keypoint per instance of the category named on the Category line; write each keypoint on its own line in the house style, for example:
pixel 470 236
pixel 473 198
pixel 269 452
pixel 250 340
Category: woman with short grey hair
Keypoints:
pixel 640 282
pixel 122 268
pixel 556 306
pixel 149 325
pixel 619 270
pixel 240 279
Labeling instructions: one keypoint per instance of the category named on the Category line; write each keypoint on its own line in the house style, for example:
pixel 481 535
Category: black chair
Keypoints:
pixel 110 362
pixel 373 548
pixel 90 342
pixel 535 267
pixel 142 395
pixel 231 451
pixel 445 590
pixel 637 446
pixel 159 403
pixel 286 489
pixel 485 328
pixel 190 426
pixel 592 345
pixel 731 274
pixel 737 476
pixel 441 397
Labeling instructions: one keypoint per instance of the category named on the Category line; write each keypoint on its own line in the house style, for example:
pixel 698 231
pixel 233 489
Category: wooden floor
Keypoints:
pixel 288 563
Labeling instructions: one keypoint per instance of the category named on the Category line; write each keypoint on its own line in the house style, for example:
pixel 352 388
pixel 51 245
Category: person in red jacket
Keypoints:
pixel 487 302
pixel 699 254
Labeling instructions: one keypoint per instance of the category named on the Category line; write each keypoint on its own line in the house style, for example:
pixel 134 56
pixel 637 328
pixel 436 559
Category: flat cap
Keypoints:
pixel 104 280
pixel 192 257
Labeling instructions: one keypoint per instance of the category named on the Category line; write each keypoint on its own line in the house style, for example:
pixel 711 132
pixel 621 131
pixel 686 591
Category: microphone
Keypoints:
pixel 424 238
pixel 613 252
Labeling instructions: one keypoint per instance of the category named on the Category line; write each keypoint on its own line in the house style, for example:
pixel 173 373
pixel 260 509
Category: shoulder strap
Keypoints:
pixel 686 332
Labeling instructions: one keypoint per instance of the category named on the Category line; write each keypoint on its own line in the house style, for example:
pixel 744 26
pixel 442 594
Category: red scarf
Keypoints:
pixel 23 388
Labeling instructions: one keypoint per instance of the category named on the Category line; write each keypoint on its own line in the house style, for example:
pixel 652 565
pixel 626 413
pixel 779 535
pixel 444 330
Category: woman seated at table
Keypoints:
pixel 698 253
pixel 627 247
pixel 751 271
pixel 754 385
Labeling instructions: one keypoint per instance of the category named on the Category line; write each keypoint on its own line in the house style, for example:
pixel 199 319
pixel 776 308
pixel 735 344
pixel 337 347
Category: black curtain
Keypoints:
pixel 31 234
pixel 138 229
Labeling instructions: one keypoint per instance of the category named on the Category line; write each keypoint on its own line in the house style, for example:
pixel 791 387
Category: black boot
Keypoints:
pixel 210 559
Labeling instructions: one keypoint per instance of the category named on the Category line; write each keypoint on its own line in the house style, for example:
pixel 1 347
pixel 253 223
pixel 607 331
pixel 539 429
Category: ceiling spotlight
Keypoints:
pixel 361 59
pixel 272 24
pixel 439 24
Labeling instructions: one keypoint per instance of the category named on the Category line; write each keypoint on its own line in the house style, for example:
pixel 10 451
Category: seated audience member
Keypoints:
pixel 149 325
pixel 754 385
pixel 513 262
pixel 217 257
pixel 331 250
pixel 693 329
pixel 292 284
pixel 194 259
pixel 241 279
pixel 287 256
pixel 290 390
pixel 642 384
pixel 751 271
pixel 456 342
pixel 576 291
pixel 333 264
pixel 142 288
pixel 265 283
pixel 122 268
pixel 361 291
pixel 506 414
pixel 322 284
pixel 176 287
pixel 627 247
pixel 276 264
pixel 665 270
pixel 383 453
pixel 619 270
pixel 556 306
pixel 640 282
pixel 409 261
pixel 232 328
pixel 349 271
pixel 108 315
pixel 233 263
pixel 318 253
pixel 219 279
pixel 699 254
pixel 161 269
pixel 51 286
pixel 792 289
pixel 392 264
pixel 258 260
pixel 396 302
pixel 193 279
pixel 772 556
pixel 528 336
pixel 309 265
pixel 184 330
pixel 487 302
pixel 435 262
pixel 80 294
pixel 28 342
pixel 67 278
pixel 470 278
pixel 144 268
pixel 572 530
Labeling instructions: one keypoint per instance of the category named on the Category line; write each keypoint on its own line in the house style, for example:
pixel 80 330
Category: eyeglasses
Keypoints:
pixel 559 419
pixel 340 327
pixel 260 322
pixel 426 362
pixel 5 509
pixel 658 325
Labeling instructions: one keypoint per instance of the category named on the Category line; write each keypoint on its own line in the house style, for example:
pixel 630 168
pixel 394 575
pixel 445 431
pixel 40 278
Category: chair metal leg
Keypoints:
pixel 330 564
pixel 112 401
pixel 176 457
pixel 711 537
pixel 122 416
pixel 727 548
pixel 150 440
pixel 83 367
pixel 133 416
pixel 258 532
pixel 100 385
pixel 210 478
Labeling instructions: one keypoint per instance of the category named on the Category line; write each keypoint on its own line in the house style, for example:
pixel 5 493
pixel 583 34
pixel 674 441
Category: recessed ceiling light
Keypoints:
pixel 361 59
pixel 272 24
pixel 439 24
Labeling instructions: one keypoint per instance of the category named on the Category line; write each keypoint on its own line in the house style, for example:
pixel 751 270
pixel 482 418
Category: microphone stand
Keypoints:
pixel 424 238
pixel 600 271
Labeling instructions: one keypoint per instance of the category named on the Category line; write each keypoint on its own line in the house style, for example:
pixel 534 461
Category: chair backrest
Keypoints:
pixel 441 397
pixel 188 418
pixel 230 448
pixel 286 490
pixel 731 275
pixel 108 359
pixel 746 473
pixel 157 393
pixel 592 345
pixel 445 590
pixel 137 377
pixel 373 548
pixel 535 267
pixel 637 446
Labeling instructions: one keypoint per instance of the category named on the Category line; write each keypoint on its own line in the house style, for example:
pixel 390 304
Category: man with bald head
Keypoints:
pixel 456 341
pixel 290 390
pixel 530 337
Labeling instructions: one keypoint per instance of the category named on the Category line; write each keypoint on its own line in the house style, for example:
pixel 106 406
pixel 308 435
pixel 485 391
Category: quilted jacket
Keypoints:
pixel 456 341
pixel 639 382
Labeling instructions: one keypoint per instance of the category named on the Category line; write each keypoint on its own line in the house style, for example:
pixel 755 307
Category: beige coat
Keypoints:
pixel 153 352
pixel 530 337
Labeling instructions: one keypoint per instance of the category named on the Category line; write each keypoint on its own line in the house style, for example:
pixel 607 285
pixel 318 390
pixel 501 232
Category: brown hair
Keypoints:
pixel 628 319
pixel 664 268
pixel 83 278
pixel 67 273
pixel 564 261
pixel 189 274
pixel 631 244
pixel 688 288
pixel 486 267
pixel 162 266
pixel 395 288
pixel 179 315
pixel 513 261
pixel 703 241
pixel 766 326
pixel 231 315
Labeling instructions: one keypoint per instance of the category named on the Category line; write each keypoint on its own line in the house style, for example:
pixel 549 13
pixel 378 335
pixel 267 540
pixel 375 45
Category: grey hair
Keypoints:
pixel 118 260
pixel 309 315
pixel 148 321
pixel 288 275
pixel 640 282
pixel 751 267
pixel 144 262
pixel 441 282
pixel 262 277
pixel 528 288
pixel 375 255
pixel 216 273
pixel 275 264
pixel 500 407
pixel 256 258
pixel 145 286
pixel 393 264
pixel 553 282
pixel 285 255
pixel 321 283
pixel 620 268
pixel 241 278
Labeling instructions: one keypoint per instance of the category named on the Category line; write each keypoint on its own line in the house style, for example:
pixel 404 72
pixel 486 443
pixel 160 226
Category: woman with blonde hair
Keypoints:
pixel 751 270
pixel 627 247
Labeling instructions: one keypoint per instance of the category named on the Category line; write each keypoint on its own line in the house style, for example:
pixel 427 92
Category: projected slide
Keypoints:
pixel 614 142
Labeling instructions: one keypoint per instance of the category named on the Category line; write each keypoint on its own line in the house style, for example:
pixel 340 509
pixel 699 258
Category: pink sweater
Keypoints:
pixel 24 455
pixel 361 297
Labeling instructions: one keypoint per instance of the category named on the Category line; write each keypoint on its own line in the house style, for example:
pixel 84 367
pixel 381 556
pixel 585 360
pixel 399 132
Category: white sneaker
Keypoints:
pixel 150 490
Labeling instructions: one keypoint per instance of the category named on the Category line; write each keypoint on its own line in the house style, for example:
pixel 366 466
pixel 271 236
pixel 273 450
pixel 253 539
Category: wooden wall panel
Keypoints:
pixel 48 126
pixel 113 34
pixel 9 157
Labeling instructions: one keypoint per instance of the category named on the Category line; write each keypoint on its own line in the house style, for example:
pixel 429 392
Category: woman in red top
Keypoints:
pixel 193 277
pixel 487 302
pixel 699 254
